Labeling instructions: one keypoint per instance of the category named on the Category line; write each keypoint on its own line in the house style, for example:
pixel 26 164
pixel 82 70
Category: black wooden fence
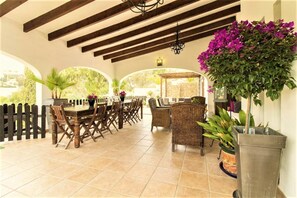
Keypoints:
pixel 21 120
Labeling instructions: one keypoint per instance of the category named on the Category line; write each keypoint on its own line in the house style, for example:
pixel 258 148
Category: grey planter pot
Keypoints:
pixel 258 161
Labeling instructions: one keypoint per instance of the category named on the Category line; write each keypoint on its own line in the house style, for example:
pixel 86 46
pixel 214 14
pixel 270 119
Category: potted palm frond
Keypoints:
pixel 249 58
pixel 55 82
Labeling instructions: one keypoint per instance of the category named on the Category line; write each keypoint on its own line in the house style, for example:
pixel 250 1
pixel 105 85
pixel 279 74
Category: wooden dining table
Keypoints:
pixel 79 111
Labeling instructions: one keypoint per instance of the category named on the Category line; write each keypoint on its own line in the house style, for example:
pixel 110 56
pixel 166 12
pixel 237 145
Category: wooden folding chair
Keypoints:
pixel 88 123
pixel 64 123
pixel 99 120
pixel 114 114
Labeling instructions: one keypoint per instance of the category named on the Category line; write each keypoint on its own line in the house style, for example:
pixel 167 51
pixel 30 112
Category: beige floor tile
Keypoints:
pixel 112 154
pixel 39 185
pixel 83 175
pixel 150 159
pixel 159 189
pixel 194 156
pixel 193 165
pixel 145 142
pixel 100 163
pixel 190 192
pixel 214 169
pixel 129 186
pixel 141 171
pixel 105 180
pixel 167 175
pixel 212 158
pixel 178 154
pixel 194 180
pixel 88 191
pixel 4 190
pixel 21 179
pixel 171 163
pixel 227 184
pixel 10 171
pixel 65 170
pixel 120 166
pixel 217 195
pixel 5 164
pixel 14 194
pixel 116 195
pixel 64 188
pixel 48 165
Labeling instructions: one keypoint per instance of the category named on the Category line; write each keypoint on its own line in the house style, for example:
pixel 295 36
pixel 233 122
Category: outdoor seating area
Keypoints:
pixel 148 98
pixel 80 122
pixel 131 162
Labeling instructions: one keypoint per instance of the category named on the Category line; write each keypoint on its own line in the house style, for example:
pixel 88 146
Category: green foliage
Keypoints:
pixel 26 93
pixel 219 127
pixel 115 87
pixel 87 82
pixel 55 82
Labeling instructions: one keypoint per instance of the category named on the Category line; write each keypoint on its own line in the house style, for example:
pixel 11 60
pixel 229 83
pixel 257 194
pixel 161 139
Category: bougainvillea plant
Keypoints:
pixel 250 57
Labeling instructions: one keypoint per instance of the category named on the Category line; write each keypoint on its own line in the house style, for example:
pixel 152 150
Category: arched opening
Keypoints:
pixel 15 84
pixel 148 83
pixel 87 81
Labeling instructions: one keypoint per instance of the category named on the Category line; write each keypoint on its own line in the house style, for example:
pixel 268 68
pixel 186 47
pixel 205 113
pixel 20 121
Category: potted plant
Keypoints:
pixel 92 99
pixel 248 58
pixel 219 128
pixel 122 95
pixel 55 82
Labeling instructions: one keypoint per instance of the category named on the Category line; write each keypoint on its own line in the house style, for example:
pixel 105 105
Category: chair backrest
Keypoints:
pixel 101 111
pixel 58 115
pixel 152 103
pixel 198 99
pixel 184 121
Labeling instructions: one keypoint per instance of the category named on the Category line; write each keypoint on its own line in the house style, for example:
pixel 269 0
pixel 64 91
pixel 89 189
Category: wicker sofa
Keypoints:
pixel 185 130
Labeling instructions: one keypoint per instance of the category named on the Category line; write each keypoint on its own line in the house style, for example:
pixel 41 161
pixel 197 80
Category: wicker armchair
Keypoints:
pixel 160 116
pixel 198 99
pixel 185 130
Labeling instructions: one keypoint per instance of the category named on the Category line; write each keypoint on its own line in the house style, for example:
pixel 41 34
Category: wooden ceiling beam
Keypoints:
pixel 9 5
pixel 54 14
pixel 188 33
pixel 116 27
pixel 89 21
pixel 165 45
pixel 190 24
pixel 176 18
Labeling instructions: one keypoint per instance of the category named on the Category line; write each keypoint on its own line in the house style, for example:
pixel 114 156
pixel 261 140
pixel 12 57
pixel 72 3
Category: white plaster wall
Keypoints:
pixel 187 59
pixel 34 49
pixel 288 124
pixel 281 114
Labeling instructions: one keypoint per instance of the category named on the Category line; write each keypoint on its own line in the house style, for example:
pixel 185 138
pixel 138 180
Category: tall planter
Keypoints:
pixel 258 161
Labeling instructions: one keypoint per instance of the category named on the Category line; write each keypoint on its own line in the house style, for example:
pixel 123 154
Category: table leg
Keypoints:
pixel 76 132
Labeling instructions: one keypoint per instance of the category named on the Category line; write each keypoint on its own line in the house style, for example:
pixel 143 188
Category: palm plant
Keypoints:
pixel 55 82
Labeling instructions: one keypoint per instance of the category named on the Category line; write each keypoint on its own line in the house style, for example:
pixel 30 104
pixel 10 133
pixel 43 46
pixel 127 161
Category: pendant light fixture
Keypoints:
pixel 141 6
pixel 178 45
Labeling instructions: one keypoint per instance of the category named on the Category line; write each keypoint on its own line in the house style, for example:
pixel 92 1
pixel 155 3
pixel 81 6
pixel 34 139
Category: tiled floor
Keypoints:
pixel 130 163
